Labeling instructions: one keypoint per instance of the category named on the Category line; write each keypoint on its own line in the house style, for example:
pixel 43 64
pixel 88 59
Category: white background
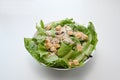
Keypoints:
pixel 18 19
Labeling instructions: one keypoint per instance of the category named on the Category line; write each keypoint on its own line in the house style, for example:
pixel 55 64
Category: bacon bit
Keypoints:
pixel 76 62
pixel 58 28
pixel 79 47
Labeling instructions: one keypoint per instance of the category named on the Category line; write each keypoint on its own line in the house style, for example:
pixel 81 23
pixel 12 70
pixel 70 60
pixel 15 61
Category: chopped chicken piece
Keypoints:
pixel 59 37
pixel 79 47
pixel 63 29
pixel 68 40
pixel 48 33
pixel 50 38
pixel 52 49
pixel 76 62
pixel 58 28
pixel 56 40
pixel 70 32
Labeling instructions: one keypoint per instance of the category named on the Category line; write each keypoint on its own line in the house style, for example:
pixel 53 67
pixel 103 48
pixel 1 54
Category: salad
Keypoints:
pixel 62 44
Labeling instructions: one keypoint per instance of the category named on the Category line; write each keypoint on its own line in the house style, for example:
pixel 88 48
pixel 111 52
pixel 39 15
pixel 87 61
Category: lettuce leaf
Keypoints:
pixel 66 21
pixel 81 28
pixel 32 49
pixel 40 29
pixel 42 24
pixel 42 50
pixel 60 63
pixel 50 58
pixel 91 28
pixel 64 49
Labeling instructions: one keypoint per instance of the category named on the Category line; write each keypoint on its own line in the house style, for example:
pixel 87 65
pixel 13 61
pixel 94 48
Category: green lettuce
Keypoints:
pixel 91 28
pixel 32 48
pixel 64 49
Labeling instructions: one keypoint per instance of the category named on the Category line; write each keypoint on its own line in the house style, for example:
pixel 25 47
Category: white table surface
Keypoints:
pixel 18 19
